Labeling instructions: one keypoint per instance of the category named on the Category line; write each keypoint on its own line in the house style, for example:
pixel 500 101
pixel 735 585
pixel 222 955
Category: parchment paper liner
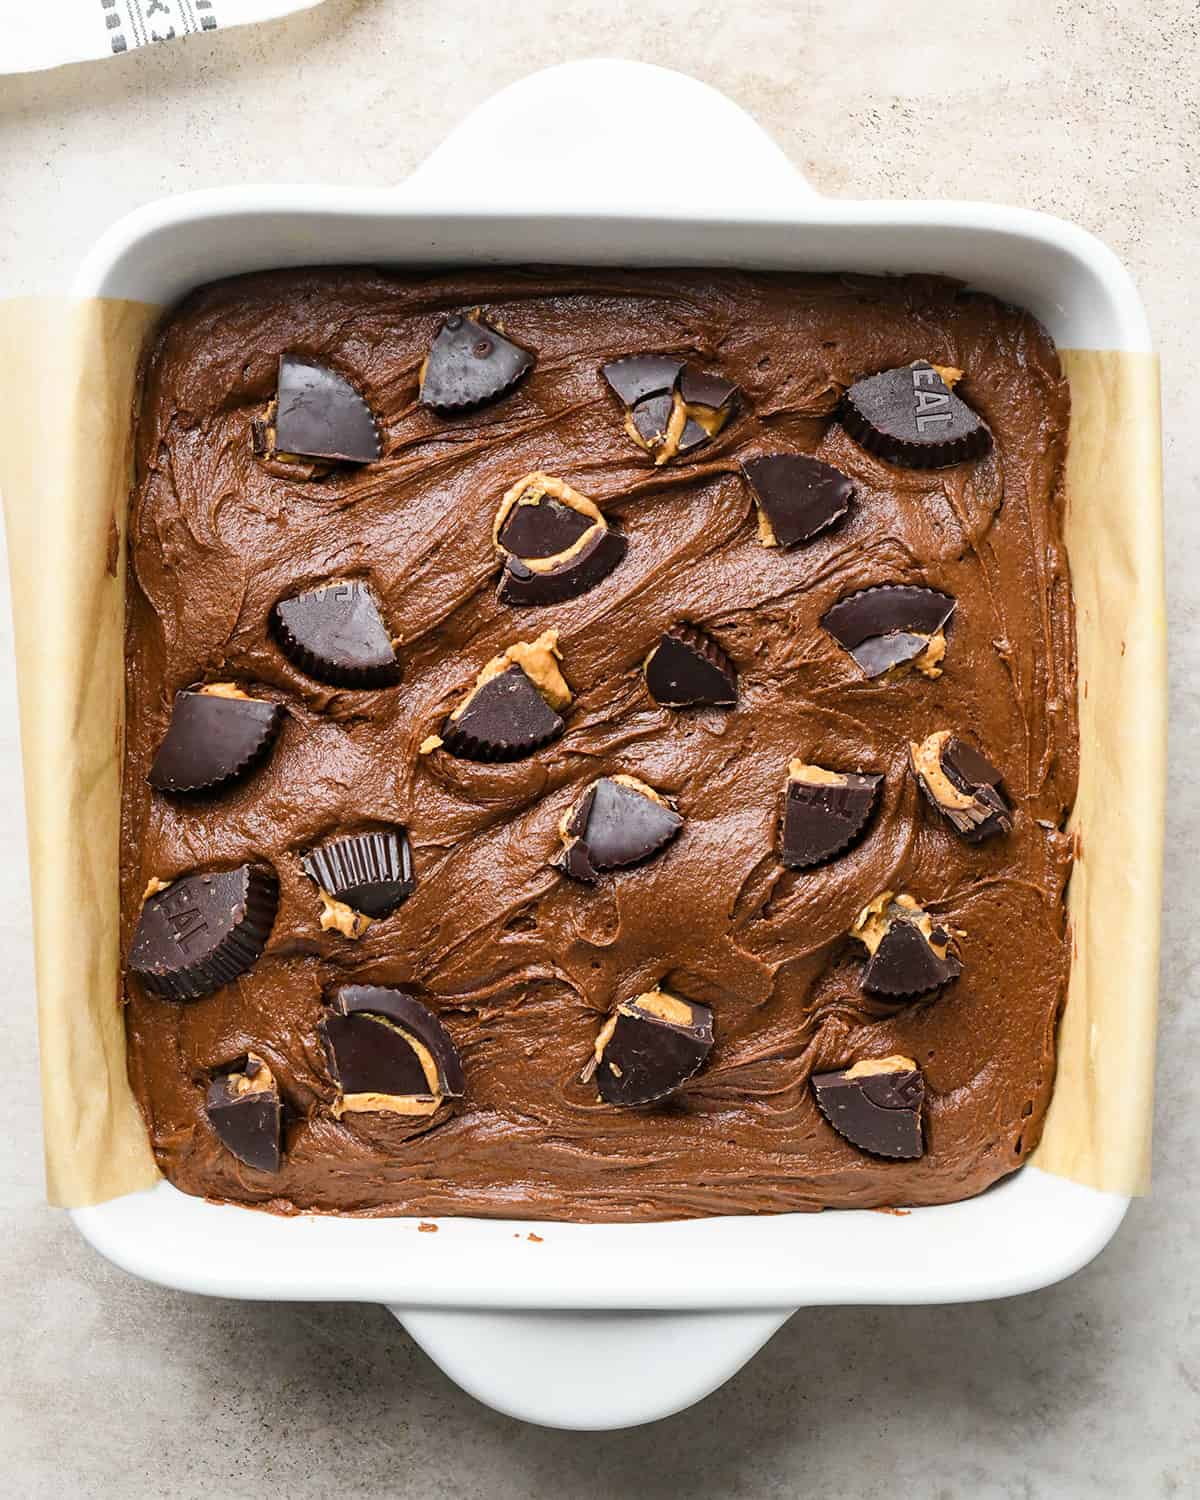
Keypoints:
pixel 68 369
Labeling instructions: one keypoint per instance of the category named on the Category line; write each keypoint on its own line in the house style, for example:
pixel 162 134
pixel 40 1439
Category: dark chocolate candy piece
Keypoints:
pixel 244 1110
pixel 336 634
pixel 370 872
pixel 319 414
pixel 215 735
pixel 595 560
pixel 203 930
pixel 543 529
pixel 619 821
pixel 686 668
pixel 693 436
pixel 797 497
pixel 389 1052
pixel 909 953
pixel 824 812
pixel 890 625
pixel 708 401
pixel 699 388
pixel 642 375
pixel 910 416
pixel 283 465
pixel 651 1046
pixel 651 418
pixel 876 1105
pixel 962 784
pixel 504 719
pixel 470 363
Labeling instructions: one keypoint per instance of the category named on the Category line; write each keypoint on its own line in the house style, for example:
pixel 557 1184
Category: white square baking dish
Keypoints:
pixel 541 1328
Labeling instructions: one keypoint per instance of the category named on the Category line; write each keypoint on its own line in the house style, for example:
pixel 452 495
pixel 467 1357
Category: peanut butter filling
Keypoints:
pixel 710 418
pixel 538 660
pixel 257 1078
pixel 532 489
pixel 336 916
pixel 799 770
pixel 872 923
pixel 663 1006
pixel 927 758
pixel 397 1104
pixel 869 1067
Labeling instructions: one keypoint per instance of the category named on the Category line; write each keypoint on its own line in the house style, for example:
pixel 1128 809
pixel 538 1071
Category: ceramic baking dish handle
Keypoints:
pixel 589 1371
pixel 609 136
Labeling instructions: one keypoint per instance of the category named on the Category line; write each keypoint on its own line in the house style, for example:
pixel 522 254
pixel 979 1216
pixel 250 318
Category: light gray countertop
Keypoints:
pixel 111 1387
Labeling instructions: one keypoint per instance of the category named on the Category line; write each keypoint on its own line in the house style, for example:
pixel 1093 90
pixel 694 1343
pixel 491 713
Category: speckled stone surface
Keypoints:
pixel 113 1388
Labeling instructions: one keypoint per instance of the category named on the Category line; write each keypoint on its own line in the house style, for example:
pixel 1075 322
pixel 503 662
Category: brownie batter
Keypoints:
pixel 521 963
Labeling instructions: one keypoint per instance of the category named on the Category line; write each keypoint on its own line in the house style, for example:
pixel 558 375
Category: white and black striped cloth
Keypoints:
pixel 38 34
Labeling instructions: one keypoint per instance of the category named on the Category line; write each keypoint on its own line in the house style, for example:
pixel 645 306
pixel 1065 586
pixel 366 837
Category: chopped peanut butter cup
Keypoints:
pixel 513 709
pixel 217 734
pixel 687 669
pixel 649 1047
pixel 797 497
pixel 876 1105
pixel 388 1053
pixel 962 784
pixel 316 414
pixel 892 626
pixel 470 363
pixel 336 634
pixel 202 931
pixel 244 1110
pixel 824 812
pixel 371 873
pixel 556 544
pixel 618 821
pixel 910 416
pixel 908 953
pixel 671 408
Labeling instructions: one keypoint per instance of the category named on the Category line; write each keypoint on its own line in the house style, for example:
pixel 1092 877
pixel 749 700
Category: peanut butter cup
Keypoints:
pixel 876 1104
pixel 216 735
pixel 317 414
pixel 514 708
pixel 388 1053
pixel 336 634
pixel 202 931
pixel 470 363
pixel 797 497
pixel 618 821
pixel 824 812
pixel 244 1109
pixel 908 953
pixel 687 669
pixel 556 544
pixel 962 784
pixel 911 416
pixel 649 1047
pixel 892 626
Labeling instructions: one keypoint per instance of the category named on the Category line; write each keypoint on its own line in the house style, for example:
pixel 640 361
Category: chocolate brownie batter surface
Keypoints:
pixel 521 963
